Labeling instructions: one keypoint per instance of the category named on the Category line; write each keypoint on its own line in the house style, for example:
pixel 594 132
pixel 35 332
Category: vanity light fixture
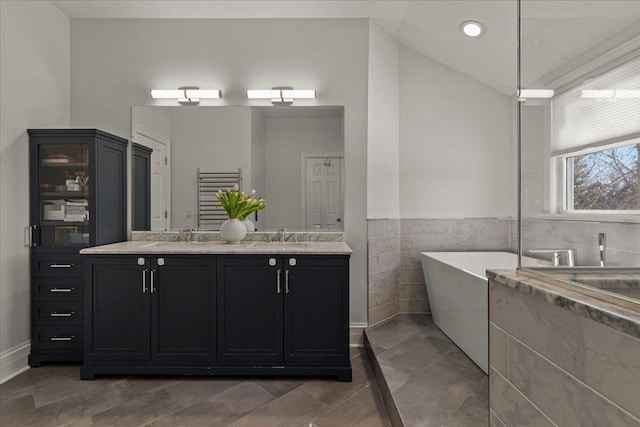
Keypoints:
pixel 281 95
pixel 472 28
pixel 610 94
pixel 190 95
pixel 524 94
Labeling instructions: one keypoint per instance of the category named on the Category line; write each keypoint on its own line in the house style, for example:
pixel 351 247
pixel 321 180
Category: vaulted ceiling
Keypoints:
pixel 554 32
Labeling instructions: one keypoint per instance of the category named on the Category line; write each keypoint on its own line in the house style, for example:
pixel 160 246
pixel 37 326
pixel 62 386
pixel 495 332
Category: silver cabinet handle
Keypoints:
pixel 286 281
pixel 62 314
pixel 56 290
pixel 278 281
pixel 28 235
pixel 61 265
pixel 144 280
pixel 62 338
pixel 153 275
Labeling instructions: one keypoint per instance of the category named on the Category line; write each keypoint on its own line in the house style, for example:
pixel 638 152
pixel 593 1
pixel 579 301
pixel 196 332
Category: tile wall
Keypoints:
pixel 623 239
pixel 384 269
pixel 583 373
pixel 396 280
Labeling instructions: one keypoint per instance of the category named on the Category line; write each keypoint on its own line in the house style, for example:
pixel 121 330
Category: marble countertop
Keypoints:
pixel 220 248
pixel 620 314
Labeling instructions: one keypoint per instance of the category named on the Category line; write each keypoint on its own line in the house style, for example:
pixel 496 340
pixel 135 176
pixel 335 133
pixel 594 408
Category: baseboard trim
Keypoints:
pixel 356 331
pixel 14 361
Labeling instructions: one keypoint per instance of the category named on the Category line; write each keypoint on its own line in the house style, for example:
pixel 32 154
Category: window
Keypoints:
pixel 595 142
pixel 604 180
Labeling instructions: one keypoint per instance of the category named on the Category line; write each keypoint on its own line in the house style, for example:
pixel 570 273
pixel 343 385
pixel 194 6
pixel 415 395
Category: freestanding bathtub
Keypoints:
pixel 458 292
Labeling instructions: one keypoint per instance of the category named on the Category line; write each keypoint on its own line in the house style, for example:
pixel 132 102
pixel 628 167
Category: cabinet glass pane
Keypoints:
pixel 64 194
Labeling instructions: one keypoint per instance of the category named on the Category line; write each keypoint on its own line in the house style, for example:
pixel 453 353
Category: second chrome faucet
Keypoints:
pixel 556 255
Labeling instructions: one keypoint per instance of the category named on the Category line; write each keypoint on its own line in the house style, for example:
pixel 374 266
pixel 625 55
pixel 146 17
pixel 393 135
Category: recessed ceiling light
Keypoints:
pixel 472 28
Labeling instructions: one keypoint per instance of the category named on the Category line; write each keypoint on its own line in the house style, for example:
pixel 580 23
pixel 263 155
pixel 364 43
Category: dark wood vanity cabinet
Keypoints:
pixel 78 196
pixel 249 309
pixel 217 315
pixel 141 187
pixel 291 309
pixel 150 309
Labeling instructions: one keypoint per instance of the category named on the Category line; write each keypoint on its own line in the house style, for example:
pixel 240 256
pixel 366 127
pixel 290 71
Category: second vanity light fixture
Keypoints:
pixel 188 95
pixel 281 95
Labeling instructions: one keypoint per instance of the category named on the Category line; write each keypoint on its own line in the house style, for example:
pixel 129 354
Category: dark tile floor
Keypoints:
pixel 427 380
pixel 54 395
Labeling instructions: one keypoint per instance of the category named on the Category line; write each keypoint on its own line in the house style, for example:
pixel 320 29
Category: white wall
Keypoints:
pixel 286 139
pixel 383 149
pixel 34 82
pixel 214 139
pixel 258 162
pixel 535 155
pixel 456 144
pixel 116 62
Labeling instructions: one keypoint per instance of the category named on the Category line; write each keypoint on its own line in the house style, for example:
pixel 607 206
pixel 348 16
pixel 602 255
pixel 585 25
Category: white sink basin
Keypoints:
pixel 285 244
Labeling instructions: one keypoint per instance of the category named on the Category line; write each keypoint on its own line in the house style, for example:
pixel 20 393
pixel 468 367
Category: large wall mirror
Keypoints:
pixel 292 156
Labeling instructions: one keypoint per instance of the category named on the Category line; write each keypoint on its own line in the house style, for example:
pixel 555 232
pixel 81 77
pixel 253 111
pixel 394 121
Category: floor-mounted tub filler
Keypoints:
pixel 458 292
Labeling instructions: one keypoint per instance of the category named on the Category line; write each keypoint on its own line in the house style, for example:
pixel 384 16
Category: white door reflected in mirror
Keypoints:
pixel 323 192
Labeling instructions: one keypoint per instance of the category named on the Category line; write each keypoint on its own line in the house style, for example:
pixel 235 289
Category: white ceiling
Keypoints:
pixel 554 31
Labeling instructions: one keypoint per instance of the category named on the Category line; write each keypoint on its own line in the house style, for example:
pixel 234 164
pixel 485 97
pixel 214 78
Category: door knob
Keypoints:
pixel 338 219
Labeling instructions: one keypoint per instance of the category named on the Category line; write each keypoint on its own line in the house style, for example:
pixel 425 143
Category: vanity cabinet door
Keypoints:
pixel 316 309
pixel 183 308
pixel 118 315
pixel 249 309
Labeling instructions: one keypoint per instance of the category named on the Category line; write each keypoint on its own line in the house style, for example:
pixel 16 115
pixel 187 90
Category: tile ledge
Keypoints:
pixel 580 301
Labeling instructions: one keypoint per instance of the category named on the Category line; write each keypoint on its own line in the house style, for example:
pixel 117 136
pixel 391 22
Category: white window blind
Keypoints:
pixel 579 123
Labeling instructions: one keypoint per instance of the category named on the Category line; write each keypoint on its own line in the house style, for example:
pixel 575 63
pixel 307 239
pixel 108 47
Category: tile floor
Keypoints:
pixel 54 395
pixel 426 379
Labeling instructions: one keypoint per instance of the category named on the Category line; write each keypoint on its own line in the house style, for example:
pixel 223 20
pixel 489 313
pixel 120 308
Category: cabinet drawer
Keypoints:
pixel 57 337
pixel 57 313
pixel 57 288
pixel 57 266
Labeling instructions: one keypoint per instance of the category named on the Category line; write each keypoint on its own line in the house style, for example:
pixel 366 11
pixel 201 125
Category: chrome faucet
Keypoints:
pixel 556 255
pixel 602 245
pixel 283 232
pixel 189 234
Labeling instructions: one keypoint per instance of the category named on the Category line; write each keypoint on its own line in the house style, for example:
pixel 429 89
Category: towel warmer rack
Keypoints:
pixel 210 212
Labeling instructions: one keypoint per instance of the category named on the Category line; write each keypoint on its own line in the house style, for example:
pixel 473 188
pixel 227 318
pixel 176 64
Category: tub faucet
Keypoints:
pixel 602 245
pixel 556 255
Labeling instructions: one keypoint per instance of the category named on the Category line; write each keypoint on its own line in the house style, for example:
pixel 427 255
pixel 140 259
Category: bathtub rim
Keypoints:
pixel 485 277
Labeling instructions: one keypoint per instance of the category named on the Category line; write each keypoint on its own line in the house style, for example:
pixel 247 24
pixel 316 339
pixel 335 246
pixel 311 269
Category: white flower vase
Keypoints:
pixel 233 230
pixel 247 223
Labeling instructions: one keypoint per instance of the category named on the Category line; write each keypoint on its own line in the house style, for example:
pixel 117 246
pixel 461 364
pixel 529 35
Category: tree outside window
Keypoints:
pixel 606 180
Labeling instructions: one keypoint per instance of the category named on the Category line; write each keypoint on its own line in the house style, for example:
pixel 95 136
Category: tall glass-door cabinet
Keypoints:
pixel 78 198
